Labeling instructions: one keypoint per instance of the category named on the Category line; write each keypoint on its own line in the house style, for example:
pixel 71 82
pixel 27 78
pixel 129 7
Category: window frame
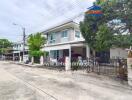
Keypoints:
pixel 64 34
pixel 77 35
pixel 52 38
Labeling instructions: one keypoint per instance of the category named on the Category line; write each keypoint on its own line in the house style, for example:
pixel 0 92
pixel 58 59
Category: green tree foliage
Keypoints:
pixel 35 43
pixel 119 10
pixel 122 41
pixel 99 37
pixel 117 14
pixel 104 38
pixel 5 45
pixel 88 30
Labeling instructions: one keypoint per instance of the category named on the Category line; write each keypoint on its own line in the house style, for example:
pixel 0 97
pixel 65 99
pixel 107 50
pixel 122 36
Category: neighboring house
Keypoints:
pixel 66 40
pixel 7 55
pixel 18 51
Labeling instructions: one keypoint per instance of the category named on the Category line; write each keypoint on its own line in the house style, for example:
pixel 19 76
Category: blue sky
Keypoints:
pixel 36 15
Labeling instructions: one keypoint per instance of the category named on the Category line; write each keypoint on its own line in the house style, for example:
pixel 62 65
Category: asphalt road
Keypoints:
pixel 25 83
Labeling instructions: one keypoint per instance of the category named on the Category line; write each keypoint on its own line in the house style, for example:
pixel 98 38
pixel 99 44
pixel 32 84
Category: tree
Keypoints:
pixel 92 29
pixel 5 45
pixel 35 43
pixel 120 10
pixel 104 38
pixel 116 15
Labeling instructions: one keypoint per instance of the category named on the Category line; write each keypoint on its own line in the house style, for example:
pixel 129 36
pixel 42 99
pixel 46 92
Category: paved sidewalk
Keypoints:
pixel 70 85
pixel 21 63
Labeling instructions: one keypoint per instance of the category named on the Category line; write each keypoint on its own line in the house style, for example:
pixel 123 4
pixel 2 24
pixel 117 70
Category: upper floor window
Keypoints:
pixel 17 46
pixel 64 34
pixel 51 38
pixel 77 34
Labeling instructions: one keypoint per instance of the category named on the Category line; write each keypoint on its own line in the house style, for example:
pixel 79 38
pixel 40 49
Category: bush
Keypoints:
pixel 75 66
pixel 36 53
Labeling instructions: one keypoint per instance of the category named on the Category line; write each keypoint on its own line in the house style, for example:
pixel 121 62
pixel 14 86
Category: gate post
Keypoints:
pixel 20 59
pixel 13 56
pixel 67 64
pixel 32 60
pixel 41 60
pixel 129 67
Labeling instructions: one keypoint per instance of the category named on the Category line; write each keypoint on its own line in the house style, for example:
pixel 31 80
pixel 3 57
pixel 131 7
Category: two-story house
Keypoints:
pixel 66 40
pixel 18 51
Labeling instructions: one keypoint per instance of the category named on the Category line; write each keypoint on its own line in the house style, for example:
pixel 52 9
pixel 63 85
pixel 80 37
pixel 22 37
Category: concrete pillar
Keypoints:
pixel 67 64
pixel 20 59
pixel 13 56
pixel 129 67
pixel 19 56
pixel 87 51
pixel 68 61
pixel 41 60
pixel 49 54
pixel 32 60
pixel 70 54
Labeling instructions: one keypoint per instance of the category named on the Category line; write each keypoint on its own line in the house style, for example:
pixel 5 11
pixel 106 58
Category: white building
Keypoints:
pixel 66 40
pixel 18 51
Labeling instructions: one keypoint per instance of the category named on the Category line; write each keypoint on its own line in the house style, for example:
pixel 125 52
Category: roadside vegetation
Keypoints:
pixel 35 43
pixel 113 28
pixel 5 46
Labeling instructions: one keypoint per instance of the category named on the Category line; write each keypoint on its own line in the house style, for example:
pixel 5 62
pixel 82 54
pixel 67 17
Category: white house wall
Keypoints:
pixel 57 47
pixel 72 35
pixel 118 52
pixel 19 48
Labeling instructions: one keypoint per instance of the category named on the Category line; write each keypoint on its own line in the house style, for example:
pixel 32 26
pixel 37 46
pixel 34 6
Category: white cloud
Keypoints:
pixel 36 15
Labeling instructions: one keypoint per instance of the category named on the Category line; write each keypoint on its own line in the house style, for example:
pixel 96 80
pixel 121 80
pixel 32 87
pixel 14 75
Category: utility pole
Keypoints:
pixel 3 51
pixel 24 39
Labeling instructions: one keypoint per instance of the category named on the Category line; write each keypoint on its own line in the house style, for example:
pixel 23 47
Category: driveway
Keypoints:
pixel 26 83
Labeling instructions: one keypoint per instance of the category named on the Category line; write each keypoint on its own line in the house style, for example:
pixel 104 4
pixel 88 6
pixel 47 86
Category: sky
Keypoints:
pixel 36 15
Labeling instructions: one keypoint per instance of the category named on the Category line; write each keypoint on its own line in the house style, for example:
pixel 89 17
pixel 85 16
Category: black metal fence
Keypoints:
pixel 54 65
pixel 115 68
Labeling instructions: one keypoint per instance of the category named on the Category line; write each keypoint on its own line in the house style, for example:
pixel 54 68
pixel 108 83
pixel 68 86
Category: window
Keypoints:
pixel 51 38
pixel 64 34
pixel 77 34
pixel 17 46
pixel 54 54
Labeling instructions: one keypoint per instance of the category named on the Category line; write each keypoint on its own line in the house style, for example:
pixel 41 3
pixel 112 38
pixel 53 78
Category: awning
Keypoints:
pixel 63 46
pixel 56 47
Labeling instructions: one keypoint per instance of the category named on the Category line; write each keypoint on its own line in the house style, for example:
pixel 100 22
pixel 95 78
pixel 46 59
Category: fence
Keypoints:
pixel 115 68
pixel 54 64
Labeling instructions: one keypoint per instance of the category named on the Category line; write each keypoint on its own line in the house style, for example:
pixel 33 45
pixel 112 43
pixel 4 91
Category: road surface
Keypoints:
pixel 26 83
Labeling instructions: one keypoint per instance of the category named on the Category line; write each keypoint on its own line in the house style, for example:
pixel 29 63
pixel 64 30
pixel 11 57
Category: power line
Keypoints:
pixel 76 4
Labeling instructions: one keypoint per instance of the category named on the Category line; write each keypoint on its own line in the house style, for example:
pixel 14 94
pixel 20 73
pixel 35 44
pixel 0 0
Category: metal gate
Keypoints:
pixel 115 68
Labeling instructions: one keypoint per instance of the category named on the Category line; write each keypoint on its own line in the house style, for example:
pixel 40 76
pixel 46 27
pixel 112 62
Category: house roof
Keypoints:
pixel 70 21
pixel 59 26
